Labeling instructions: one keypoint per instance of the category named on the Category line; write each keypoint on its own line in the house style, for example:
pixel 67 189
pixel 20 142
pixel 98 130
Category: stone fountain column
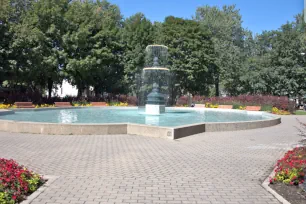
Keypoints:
pixel 154 84
pixel 156 102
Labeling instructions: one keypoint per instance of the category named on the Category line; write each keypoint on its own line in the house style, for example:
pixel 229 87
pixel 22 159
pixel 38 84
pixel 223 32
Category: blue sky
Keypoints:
pixel 257 15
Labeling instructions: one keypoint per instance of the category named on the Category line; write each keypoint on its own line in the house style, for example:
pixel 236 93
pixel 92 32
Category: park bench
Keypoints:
pixel 253 108
pixel 225 106
pixel 197 105
pixel 62 104
pixel 98 103
pixel 24 104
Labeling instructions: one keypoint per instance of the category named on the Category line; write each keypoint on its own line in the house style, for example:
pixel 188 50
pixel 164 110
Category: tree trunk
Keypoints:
pixel 217 89
pixel 189 99
pixel 50 86
pixel 217 86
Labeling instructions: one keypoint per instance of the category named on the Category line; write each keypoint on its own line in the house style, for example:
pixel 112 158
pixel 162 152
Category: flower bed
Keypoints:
pixel 45 106
pixel 280 102
pixel 239 106
pixel 117 104
pixel 209 105
pixel 291 168
pixel 279 112
pixel 16 182
pixel 7 106
pixel 82 103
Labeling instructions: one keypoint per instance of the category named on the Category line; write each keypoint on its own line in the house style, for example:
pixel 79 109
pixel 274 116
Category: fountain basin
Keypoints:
pixel 174 124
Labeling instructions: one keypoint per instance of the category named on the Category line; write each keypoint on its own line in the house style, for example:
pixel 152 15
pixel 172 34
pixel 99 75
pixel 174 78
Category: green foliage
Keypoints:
pixel 43 42
pixel 191 52
pixel 289 175
pixel 138 32
pixel 227 34
pixel 5 198
pixel 237 105
pixel 93 47
pixel 278 68
pixel 267 108
pixel 37 44
pixel 10 15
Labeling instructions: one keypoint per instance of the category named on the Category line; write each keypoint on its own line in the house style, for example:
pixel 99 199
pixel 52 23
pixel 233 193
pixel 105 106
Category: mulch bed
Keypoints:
pixel 293 194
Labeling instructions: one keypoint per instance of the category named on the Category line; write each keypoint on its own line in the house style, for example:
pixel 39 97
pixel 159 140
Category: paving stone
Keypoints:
pixel 208 168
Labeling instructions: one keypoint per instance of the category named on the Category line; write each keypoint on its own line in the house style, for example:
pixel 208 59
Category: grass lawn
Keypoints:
pixel 300 112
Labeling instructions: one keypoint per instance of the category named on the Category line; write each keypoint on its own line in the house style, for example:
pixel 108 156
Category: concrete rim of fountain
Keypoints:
pixel 132 128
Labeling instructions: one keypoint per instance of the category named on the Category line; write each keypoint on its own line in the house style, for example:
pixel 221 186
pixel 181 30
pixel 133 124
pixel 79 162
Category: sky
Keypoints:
pixel 257 15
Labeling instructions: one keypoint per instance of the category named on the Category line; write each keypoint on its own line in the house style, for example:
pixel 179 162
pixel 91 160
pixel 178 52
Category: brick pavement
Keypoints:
pixel 224 167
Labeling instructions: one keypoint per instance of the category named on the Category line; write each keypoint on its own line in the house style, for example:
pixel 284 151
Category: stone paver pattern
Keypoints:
pixel 208 168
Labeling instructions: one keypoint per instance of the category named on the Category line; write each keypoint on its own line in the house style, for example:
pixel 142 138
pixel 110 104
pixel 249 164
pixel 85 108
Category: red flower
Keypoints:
pixel 14 179
pixel 271 180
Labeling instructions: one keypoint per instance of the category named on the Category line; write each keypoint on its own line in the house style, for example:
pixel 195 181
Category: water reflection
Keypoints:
pixel 152 120
pixel 67 116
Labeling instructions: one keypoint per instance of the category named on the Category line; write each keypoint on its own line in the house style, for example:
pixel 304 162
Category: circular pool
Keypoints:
pixel 175 123
pixel 172 118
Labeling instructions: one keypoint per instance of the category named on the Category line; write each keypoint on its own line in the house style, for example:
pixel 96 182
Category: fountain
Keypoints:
pixel 154 90
pixel 157 121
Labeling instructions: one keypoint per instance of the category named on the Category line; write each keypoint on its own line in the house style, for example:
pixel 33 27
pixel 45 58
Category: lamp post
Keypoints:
pixel 303 54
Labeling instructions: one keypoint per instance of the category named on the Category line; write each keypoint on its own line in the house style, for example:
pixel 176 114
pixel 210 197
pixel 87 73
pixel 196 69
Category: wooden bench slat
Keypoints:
pixel 98 103
pixel 24 104
pixel 62 104
pixel 225 106
pixel 253 108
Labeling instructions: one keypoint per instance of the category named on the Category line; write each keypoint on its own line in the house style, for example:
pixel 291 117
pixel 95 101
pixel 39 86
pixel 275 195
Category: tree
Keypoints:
pixel 278 67
pixel 227 35
pixel 11 12
pixel 88 43
pixel 138 32
pixel 93 46
pixel 5 38
pixel 287 61
pixel 191 54
pixel 38 42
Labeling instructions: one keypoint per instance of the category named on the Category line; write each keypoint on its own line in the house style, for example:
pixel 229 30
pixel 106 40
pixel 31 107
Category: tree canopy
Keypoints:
pixel 191 54
pixel 90 44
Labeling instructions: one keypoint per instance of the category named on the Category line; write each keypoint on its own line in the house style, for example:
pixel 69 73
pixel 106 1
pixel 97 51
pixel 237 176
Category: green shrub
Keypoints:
pixel 81 103
pixel 237 105
pixel 267 108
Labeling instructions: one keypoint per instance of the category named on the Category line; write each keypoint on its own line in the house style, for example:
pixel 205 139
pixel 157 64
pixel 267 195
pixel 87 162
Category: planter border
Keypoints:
pixel 266 182
pixel 40 190
pixel 266 186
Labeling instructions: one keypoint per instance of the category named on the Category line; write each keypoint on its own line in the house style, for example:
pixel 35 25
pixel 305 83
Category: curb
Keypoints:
pixel 266 186
pixel 40 190
pixel 266 183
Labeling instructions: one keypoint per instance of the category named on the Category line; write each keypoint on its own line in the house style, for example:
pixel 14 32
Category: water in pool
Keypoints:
pixel 172 117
